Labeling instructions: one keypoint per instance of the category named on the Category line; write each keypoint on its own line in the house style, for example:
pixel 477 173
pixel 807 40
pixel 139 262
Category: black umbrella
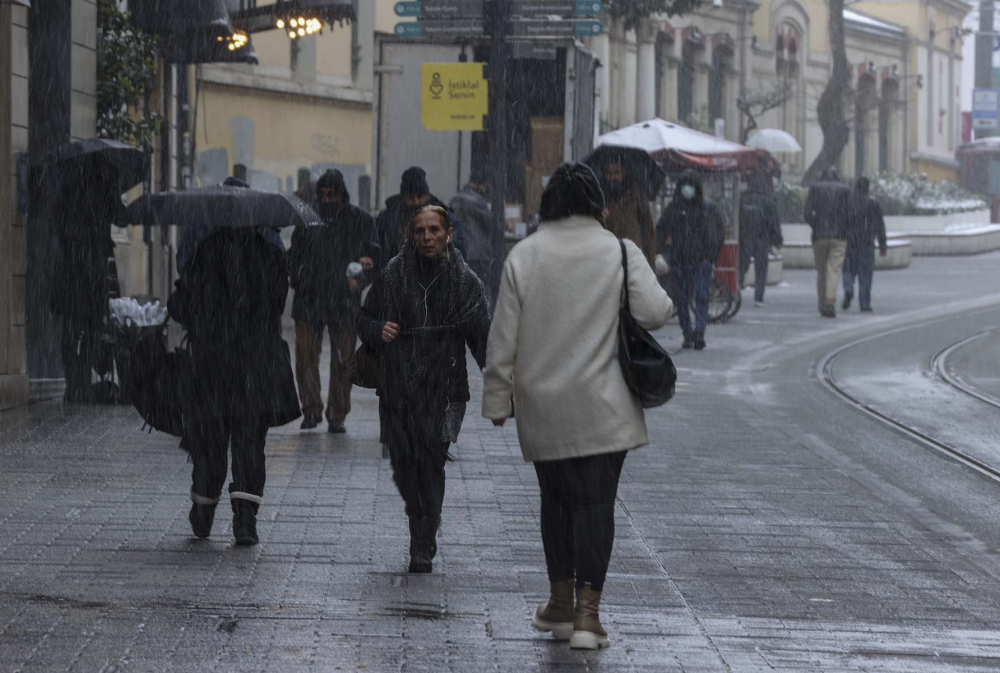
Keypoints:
pixel 639 166
pixel 87 163
pixel 222 206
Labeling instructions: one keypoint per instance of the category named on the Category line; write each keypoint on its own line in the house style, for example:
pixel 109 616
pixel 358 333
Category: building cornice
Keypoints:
pixel 240 80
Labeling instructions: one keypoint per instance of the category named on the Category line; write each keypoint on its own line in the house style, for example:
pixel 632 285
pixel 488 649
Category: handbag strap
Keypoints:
pixel 624 299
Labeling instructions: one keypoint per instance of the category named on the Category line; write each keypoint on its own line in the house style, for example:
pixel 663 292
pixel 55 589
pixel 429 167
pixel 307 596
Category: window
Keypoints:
pixel 721 64
pixel 685 83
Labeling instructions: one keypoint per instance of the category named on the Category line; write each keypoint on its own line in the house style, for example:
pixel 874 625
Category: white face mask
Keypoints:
pixel 688 192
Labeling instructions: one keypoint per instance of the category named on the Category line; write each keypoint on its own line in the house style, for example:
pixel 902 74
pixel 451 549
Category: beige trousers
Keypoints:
pixel 829 256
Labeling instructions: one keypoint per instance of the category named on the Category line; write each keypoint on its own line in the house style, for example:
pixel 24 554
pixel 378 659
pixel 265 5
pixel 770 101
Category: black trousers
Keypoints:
pixel 209 443
pixel 417 456
pixel 80 337
pixel 578 516
pixel 756 250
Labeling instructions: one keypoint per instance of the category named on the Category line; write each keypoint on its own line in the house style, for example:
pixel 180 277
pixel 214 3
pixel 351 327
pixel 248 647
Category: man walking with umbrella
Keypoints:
pixel 326 298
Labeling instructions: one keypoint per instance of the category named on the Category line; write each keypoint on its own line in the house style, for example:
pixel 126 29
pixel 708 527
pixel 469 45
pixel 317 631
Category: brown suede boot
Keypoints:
pixel 557 615
pixel 588 634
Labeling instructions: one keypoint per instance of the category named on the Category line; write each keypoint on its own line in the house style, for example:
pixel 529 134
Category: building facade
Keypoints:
pixel 905 60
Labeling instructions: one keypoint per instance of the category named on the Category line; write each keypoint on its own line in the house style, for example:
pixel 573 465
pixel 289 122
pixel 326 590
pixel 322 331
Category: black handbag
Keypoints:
pixel 649 372
pixel 157 380
pixel 363 367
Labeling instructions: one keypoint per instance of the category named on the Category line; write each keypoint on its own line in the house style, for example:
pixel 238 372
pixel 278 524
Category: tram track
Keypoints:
pixel 824 373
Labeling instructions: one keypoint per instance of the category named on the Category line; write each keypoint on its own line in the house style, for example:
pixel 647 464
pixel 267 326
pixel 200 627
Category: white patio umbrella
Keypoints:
pixel 774 140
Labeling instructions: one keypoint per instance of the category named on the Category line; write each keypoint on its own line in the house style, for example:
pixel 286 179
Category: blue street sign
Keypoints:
pixel 409 9
pixel 584 28
pixel 410 29
pixel 588 28
pixel 985 109
pixel 564 8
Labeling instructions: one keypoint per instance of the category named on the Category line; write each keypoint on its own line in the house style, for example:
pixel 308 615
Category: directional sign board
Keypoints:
pixel 454 96
pixel 440 9
pixel 566 8
pixel 555 28
pixel 462 30
pixel 985 109
pixel 544 51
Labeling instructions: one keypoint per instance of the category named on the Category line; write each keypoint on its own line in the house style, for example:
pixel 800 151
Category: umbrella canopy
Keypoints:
pixel 677 147
pixel 222 206
pixel 638 165
pixel 774 140
pixel 85 162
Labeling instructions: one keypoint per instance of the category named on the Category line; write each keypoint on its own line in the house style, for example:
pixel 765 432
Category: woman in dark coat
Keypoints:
pixel 230 298
pixel 422 310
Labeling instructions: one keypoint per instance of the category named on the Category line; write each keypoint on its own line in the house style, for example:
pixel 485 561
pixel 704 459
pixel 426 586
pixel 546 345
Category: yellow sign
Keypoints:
pixel 454 96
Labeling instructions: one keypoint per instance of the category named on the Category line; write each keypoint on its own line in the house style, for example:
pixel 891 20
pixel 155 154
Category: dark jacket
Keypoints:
pixel 428 359
pixel 393 227
pixel 471 207
pixel 317 266
pixel 865 223
pixel 760 219
pixel 80 283
pixel 694 227
pixel 230 298
pixel 826 210
pixel 629 217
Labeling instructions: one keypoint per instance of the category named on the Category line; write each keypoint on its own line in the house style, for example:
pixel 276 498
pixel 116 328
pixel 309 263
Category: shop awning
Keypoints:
pixel 193 31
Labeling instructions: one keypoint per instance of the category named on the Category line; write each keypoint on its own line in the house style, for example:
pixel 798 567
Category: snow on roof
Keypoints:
pixel 872 22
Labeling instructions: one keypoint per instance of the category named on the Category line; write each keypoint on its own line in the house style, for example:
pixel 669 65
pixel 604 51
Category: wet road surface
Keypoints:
pixel 770 526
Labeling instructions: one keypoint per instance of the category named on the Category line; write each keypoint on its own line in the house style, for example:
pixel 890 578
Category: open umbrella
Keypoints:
pixel 638 165
pixel 85 161
pixel 222 206
pixel 774 140
pixel 676 147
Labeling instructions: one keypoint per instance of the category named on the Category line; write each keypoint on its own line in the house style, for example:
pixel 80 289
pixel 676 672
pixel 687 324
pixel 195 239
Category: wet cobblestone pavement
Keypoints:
pixel 748 537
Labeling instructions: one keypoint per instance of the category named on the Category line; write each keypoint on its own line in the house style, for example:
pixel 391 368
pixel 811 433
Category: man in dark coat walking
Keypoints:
pixel 826 212
pixel 393 223
pixel 81 281
pixel 865 225
pixel 694 229
pixel 424 308
pixel 326 298
pixel 627 214
pixel 760 228
pixel 471 207
pixel 230 298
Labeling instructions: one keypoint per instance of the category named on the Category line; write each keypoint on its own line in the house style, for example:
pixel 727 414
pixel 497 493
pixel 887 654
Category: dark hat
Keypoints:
pixel 573 189
pixel 414 182
pixel 333 179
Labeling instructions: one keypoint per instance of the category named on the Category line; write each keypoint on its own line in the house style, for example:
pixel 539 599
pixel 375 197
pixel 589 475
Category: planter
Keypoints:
pixel 971 241
pixel 799 255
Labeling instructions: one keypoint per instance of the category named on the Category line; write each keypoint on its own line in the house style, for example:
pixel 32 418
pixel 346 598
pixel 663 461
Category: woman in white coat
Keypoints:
pixel 553 349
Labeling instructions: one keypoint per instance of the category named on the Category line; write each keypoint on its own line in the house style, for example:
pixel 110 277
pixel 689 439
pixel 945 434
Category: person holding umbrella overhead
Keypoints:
pixel 230 297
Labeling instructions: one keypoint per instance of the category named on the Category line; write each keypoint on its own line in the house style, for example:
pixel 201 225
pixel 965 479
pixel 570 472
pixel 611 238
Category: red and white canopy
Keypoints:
pixel 677 147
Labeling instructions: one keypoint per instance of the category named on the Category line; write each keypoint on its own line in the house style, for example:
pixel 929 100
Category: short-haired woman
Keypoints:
pixel 554 346
pixel 422 310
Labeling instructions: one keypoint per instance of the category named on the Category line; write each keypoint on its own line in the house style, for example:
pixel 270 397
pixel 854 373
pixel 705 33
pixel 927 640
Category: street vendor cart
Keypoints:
pixel 721 163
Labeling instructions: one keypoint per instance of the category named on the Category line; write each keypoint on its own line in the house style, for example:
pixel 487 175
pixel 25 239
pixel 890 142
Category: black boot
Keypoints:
pixel 688 341
pixel 201 518
pixel 244 523
pixel 420 554
pixel 699 341
pixel 847 301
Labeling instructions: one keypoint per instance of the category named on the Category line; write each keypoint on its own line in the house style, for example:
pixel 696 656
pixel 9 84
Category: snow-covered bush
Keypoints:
pixel 916 195
pixel 791 202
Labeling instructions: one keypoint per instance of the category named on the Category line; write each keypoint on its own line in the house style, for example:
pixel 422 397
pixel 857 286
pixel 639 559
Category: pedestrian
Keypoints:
pixel 230 298
pixel 865 226
pixel 81 284
pixel 760 228
pixel 627 214
pixel 472 208
pixel 692 235
pixel 553 350
pixel 393 223
pixel 325 298
pixel 423 309
pixel 826 212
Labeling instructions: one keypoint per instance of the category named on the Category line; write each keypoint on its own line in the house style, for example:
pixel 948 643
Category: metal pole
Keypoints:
pixel 984 52
pixel 499 62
